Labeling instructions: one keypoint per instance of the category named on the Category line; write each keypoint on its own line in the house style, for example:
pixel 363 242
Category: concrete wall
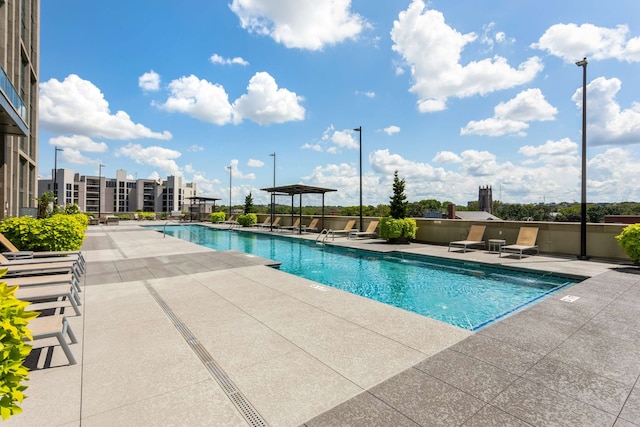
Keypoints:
pixel 558 238
pixel 554 238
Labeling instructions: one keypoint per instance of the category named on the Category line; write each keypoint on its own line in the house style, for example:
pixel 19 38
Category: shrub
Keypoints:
pixel 247 220
pixel 72 209
pixel 147 215
pixel 217 216
pixel 629 241
pixel 58 233
pixel 392 228
pixel 13 330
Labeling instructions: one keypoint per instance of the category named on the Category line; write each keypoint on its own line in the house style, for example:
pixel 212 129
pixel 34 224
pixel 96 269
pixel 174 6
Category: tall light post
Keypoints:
pixel 273 193
pixel 230 167
pixel 100 166
pixel 359 130
pixel 583 207
pixel 55 176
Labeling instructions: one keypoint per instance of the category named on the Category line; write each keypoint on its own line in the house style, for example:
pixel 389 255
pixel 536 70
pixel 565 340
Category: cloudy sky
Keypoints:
pixel 453 95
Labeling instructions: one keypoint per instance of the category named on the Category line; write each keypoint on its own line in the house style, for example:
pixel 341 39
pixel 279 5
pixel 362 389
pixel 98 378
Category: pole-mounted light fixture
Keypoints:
pixel 273 193
pixel 230 167
pixel 359 130
pixel 100 166
pixel 55 175
pixel 583 202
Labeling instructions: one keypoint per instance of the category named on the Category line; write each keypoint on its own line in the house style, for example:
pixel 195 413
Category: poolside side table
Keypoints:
pixel 495 245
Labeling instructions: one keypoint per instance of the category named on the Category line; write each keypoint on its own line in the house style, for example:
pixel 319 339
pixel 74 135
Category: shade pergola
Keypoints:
pixel 299 189
pixel 200 201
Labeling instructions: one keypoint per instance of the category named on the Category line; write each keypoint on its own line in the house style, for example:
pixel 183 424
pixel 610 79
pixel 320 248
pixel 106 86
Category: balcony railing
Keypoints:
pixel 11 94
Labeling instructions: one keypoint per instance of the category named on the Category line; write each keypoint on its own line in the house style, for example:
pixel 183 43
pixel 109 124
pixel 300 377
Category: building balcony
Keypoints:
pixel 13 112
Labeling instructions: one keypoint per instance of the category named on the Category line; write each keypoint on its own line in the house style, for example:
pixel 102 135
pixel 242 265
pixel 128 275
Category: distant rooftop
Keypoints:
pixel 476 216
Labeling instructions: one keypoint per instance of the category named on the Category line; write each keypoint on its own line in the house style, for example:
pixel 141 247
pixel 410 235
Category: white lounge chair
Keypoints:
pixel 347 229
pixel 47 279
pixel 30 267
pixel 293 227
pixel 369 232
pixel 313 226
pixel 54 326
pixel 474 238
pixel 269 225
pixel 43 256
pixel 526 241
pixel 50 292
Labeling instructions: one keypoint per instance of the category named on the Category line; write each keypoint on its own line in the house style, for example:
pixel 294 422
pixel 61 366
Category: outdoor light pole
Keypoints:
pixel 230 167
pixel 359 130
pixel 273 193
pixel 583 207
pixel 100 166
pixel 55 176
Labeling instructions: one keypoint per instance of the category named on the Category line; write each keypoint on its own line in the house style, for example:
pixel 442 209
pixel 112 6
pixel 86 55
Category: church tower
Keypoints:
pixel 485 199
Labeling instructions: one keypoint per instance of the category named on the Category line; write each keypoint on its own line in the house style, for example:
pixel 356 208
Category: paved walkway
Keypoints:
pixel 176 334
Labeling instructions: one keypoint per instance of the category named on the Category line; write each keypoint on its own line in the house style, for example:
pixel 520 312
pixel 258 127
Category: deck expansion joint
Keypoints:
pixel 239 400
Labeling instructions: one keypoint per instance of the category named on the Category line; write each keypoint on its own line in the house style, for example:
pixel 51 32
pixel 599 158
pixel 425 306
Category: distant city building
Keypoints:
pixel 95 194
pixel 485 199
pixel 19 64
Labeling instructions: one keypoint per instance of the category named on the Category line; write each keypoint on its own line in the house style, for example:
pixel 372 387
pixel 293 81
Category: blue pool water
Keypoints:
pixel 466 295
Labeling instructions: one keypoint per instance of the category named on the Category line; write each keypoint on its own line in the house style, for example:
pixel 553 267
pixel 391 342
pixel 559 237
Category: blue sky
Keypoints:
pixel 453 95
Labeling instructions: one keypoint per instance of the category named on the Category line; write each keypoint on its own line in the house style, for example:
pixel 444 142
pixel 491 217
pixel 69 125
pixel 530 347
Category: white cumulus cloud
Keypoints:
pixel 76 106
pixel 198 98
pixel 607 122
pixel 303 24
pixel 160 157
pixel 149 81
pixel 390 130
pixel 511 117
pixel 554 153
pixel 571 42
pixel 433 49
pixel 79 142
pixel 266 103
pixel 217 59
pixel 254 163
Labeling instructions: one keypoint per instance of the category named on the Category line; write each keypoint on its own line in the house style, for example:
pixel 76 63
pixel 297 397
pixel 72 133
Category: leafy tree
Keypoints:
pixel 398 206
pixel 44 204
pixel 248 204
pixel 381 210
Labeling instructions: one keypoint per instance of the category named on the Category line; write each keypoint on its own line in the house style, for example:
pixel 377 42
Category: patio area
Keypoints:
pixel 172 333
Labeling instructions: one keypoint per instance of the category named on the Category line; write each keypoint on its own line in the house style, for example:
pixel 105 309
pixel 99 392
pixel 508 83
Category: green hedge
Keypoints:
pixel 629 241
pixel 247 220
pixel 13 349
pixel 58 233
pixel 217 216
pixel 391 228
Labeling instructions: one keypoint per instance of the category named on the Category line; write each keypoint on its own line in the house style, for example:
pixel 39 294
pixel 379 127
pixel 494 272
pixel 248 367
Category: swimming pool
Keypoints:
pixel 466 295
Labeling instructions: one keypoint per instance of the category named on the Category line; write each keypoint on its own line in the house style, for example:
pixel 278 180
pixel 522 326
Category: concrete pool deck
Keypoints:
pixel 172 333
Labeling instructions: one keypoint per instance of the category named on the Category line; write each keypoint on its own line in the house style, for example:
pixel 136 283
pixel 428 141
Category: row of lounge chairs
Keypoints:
pixel 348 231
pixel 46 277
pixel 526 241
pixel 312 226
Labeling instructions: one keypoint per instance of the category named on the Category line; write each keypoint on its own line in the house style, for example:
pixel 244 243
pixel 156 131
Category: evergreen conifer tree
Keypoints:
pixel 398 200
pixel 248 205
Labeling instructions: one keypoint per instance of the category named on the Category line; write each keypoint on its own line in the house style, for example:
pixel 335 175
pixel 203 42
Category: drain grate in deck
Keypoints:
pixel 239 400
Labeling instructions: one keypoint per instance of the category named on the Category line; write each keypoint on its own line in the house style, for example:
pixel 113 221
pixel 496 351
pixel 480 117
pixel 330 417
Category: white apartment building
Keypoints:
pixel 103 195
